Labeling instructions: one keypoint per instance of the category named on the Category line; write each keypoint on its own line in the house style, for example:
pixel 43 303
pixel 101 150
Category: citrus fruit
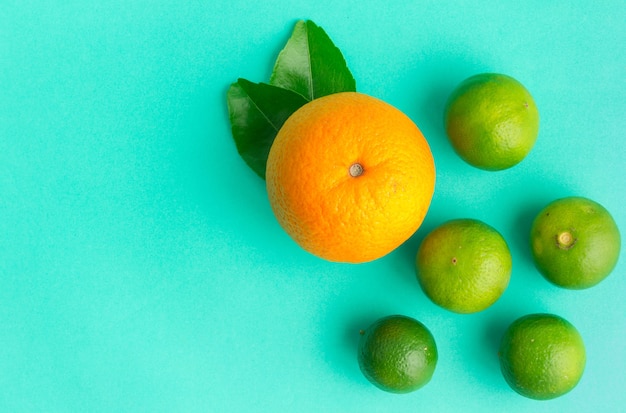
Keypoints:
pixel 397 354
pixel 575 242
pixel 464 265
pixel 349 177
pixel 542 356
pixel 491 121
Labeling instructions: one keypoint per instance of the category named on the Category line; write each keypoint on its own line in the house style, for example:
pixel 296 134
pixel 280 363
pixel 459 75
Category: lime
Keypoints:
pixel 492 121
pixel 575 242
pixel 397 354
pixel 464 265
pixel 542 356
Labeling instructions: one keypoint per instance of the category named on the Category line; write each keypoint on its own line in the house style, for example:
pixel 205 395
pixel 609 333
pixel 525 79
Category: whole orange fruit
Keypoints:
pixel 350 177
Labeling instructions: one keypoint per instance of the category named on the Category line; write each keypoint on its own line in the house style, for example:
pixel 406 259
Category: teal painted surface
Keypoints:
pixel 142 270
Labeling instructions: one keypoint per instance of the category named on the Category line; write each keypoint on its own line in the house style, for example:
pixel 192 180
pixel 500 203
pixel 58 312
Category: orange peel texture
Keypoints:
pixel 350 177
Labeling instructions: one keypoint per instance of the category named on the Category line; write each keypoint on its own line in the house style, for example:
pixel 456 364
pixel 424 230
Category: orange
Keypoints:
pixel 350 177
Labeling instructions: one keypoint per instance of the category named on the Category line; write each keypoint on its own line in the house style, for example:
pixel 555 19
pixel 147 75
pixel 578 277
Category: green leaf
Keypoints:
pixel 311 65
pixel 257 111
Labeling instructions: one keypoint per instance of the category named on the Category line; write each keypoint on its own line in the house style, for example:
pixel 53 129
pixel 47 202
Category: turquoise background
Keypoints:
pixel 142 270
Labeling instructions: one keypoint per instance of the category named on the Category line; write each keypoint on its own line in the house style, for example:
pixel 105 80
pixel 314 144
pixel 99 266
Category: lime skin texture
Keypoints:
pixel 397 354
pixel 575 242
pixel 542 356
pixel 464 265
pixel 491 121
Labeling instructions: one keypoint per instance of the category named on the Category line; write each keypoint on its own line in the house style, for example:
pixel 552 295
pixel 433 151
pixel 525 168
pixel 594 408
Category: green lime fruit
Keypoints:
pixel 575 242
pixel 542 356
pixel 397 354
pixel 464 265
pixel 492 121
